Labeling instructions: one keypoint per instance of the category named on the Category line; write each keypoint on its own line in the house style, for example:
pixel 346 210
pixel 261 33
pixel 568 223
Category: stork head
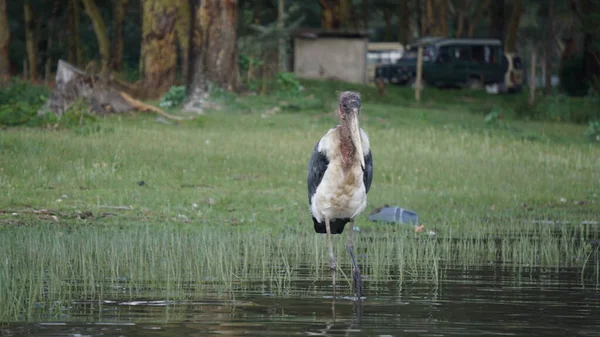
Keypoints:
pixel 349 110
pixel 349 105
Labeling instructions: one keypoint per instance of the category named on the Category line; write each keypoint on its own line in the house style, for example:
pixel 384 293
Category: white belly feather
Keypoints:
pixel 340 194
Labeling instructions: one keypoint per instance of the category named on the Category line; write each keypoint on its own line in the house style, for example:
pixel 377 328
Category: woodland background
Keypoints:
pixel 155 44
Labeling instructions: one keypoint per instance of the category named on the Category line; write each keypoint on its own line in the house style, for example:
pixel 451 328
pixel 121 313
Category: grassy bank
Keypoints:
pixel 223 198
pixel 246 162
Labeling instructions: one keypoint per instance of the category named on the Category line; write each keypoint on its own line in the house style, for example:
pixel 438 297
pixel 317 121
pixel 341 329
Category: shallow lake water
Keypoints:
pixel 485 301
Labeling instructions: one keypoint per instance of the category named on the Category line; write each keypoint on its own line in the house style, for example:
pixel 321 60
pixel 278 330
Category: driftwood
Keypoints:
pixel 102 97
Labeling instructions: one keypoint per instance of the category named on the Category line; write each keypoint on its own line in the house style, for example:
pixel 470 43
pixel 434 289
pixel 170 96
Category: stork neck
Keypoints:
pixel 347 147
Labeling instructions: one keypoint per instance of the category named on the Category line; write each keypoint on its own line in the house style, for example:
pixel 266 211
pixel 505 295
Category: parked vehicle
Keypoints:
pixel 466 63
pixel 379 53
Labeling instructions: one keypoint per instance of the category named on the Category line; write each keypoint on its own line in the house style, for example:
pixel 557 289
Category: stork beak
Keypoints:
pixel 355 136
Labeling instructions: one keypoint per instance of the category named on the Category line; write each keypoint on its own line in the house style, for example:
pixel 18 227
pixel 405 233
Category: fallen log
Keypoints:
pixel 102 97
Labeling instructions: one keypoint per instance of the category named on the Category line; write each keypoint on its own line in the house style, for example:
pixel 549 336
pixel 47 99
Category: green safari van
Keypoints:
pixel 449 62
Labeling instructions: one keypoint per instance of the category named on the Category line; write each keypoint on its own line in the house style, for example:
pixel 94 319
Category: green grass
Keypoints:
pixel 224 196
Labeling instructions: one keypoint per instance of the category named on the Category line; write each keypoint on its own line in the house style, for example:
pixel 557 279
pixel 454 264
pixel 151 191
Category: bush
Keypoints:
pixel 174 97
pixel 562 108
pixel 288 82
pixel 20 102
pixel 593 132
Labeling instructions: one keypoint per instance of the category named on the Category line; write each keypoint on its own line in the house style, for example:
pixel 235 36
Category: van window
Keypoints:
pixel 485 54
pixel 462 53
pixel 444 54
pixel 411 54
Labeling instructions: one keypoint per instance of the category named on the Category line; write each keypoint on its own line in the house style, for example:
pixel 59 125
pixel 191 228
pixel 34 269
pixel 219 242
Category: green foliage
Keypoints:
pixel 20 102
pixel 77 115
pixel 288 82
pixel 561 108
pixel 593 132
pixel 493 116
pixel 572 77
pixel 174 97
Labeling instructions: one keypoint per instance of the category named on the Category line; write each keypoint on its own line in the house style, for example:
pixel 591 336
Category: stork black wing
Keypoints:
pixel 316 169
pixel 368 171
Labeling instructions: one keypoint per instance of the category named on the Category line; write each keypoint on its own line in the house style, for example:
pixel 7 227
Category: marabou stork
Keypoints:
pixel 340 171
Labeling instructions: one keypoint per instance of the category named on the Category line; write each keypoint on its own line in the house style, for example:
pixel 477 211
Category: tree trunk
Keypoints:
pixel 549 53
pixel 429 18
pixel 30 41
pixel 591 39
pixel 4 44
pixel 353 17
pixel 420 21
pixel 365 14
pixel 158 59
pixel 50 41
pixel 442 21
pixel 281 43
pixel 75 52
pixel 256 8
pixel 214 53
pixel 532 82
pixel 182 29
pixel 460 18
pixel 404 33
pixel 330 14
pixel 510 44
pixel 497 20
pixel 387 17
pixel 343 15
pixel 118 38
pixel 483 6
pixel 101 34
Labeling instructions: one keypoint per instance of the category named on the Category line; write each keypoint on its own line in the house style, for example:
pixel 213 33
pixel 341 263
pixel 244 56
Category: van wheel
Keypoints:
pixel 474 83
pixel 413 83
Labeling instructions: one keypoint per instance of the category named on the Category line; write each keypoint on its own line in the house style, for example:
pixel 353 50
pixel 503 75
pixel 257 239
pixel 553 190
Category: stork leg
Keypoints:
pixel 332 265
pixel 356 277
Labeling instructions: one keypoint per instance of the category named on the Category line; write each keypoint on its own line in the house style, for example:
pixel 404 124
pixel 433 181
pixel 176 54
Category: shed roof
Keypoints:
pixel 312 33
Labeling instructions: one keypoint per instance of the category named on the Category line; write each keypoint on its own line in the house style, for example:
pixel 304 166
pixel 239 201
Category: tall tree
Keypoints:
pixel 549 48
pixel 182 29
pixel 50 40
pixel 158 60
pixel 281 60
pixel 461 14
pixel 387 18
pixel 101 34
pixel 331 14
pixel 404 33
pixel 429 25
pixel 30 40
pixel 483 6
pixel 118 38
pixel 214 50
pixel 75 55
pixel 420 21
pixel 4 43
pixel 365 14
pixel 510 42
pixel 591 41
pixel 497 19
pixel 442 18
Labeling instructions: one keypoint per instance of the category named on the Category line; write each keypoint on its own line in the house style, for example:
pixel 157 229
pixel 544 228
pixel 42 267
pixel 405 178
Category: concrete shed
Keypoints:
pixel 331 55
